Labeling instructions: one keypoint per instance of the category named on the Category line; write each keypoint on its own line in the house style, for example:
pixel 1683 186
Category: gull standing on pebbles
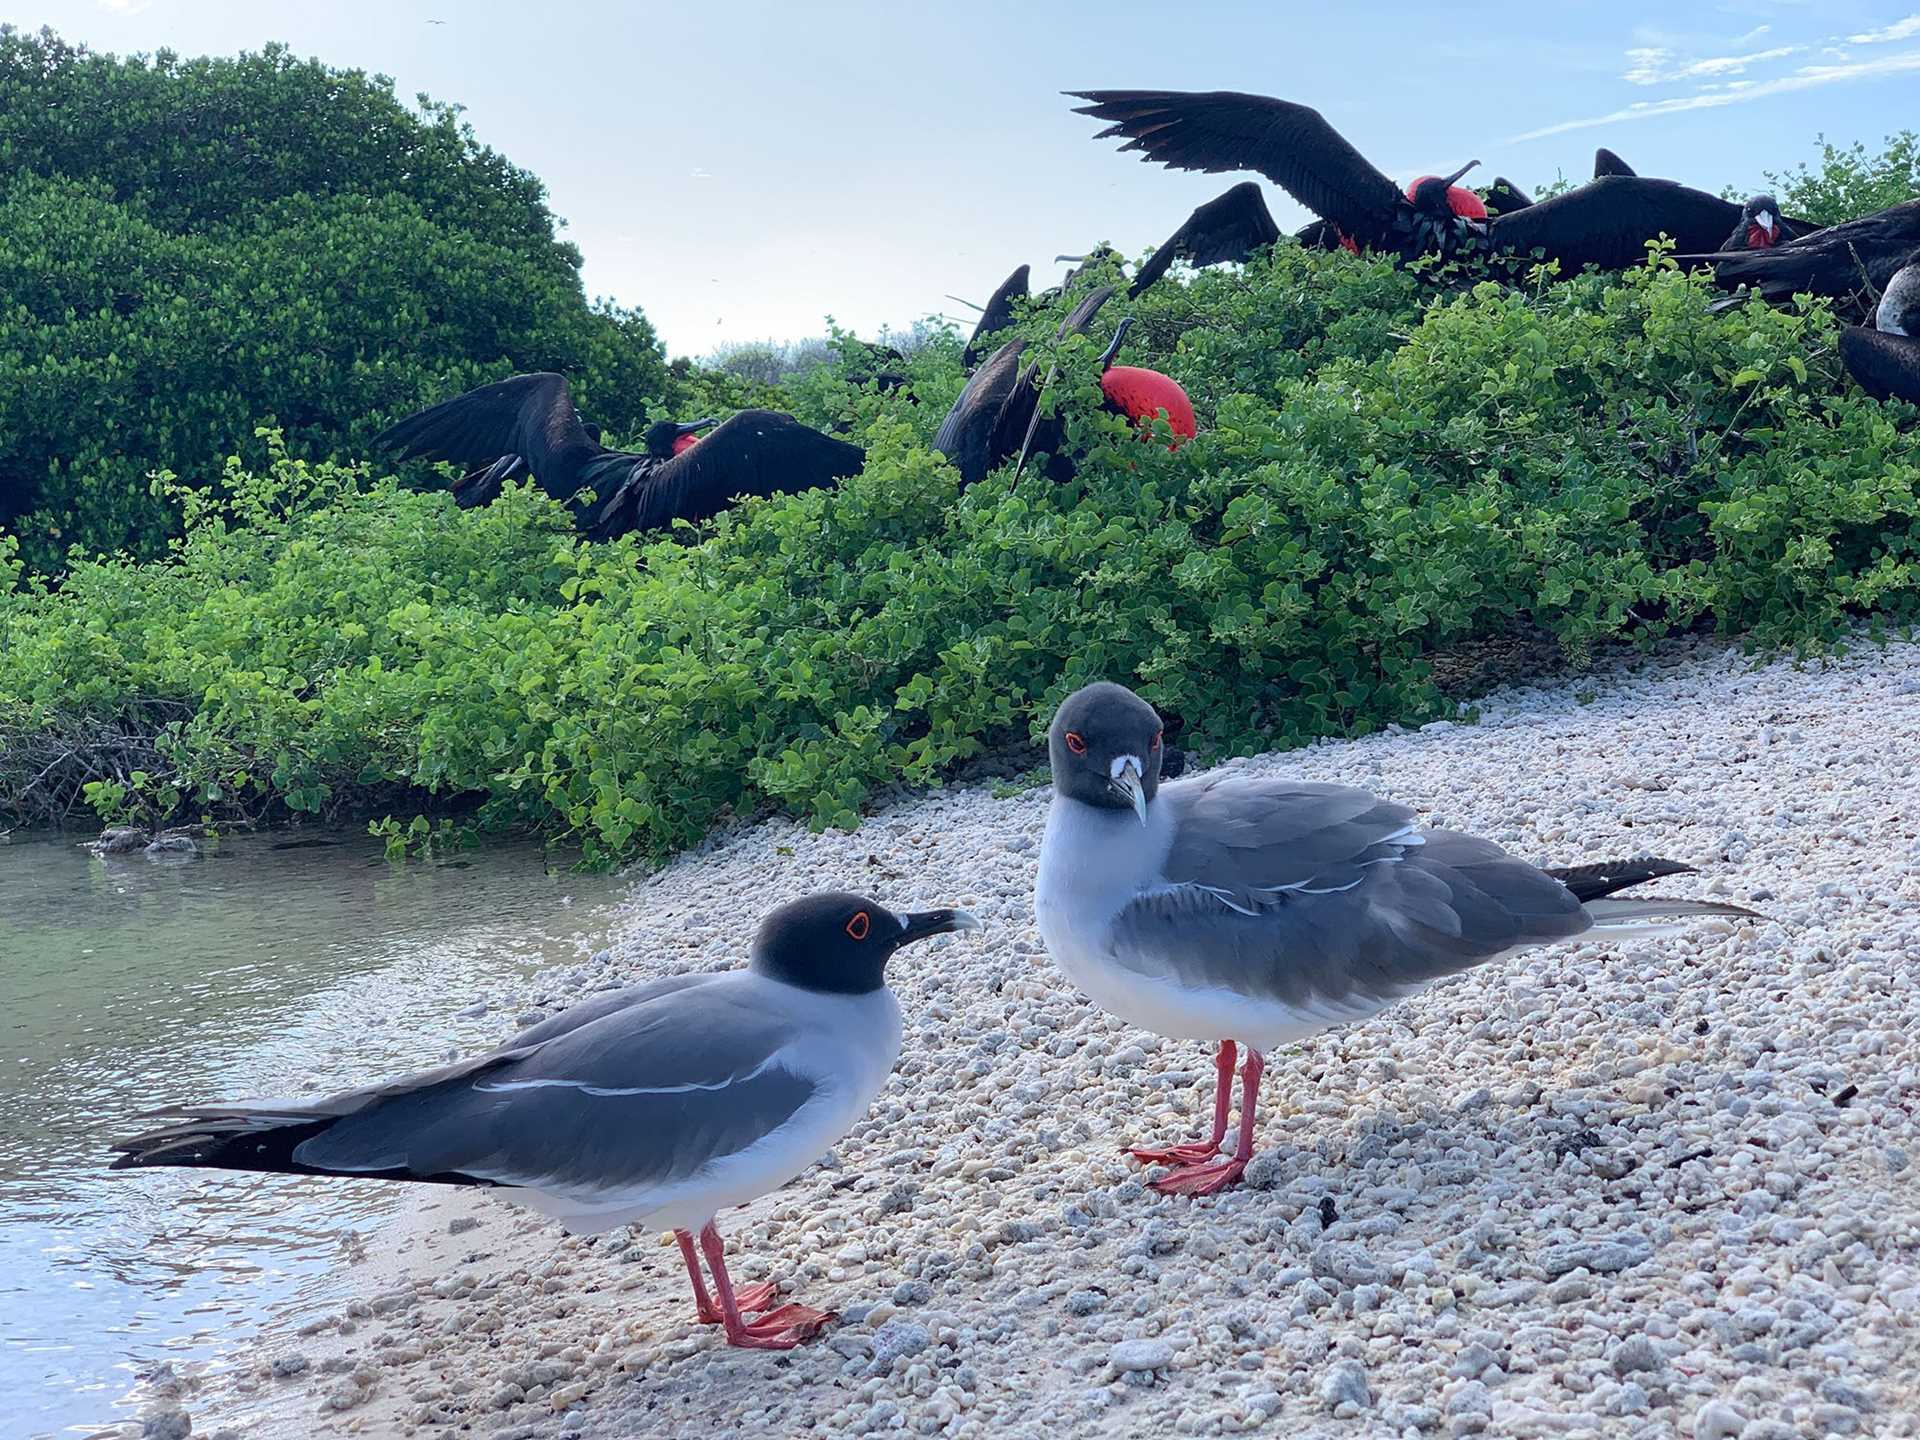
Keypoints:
pixel 1234 908
pixel 657 1105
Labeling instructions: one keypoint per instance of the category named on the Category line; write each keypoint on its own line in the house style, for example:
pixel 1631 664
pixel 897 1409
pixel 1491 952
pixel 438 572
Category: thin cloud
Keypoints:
pixel 1900 30
pixel 124 7
pixel 1807 77
pixel 1654 66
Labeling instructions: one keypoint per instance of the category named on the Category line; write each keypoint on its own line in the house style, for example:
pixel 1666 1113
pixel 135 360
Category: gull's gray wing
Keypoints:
pixel 645 1095
pixel 638 1089
pixel 1321 896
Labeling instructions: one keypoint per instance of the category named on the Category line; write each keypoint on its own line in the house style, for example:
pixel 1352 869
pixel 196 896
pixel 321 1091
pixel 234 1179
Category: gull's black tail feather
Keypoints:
pixel 241 1137
pixel 1590 882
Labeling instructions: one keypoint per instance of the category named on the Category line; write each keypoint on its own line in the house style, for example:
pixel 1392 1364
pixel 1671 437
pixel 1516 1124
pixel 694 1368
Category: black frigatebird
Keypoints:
pixel 1759 226
pixel 996 315
pixel 1293 146
pixel 1885 359
pixel 1606 222
pixel 1228 228
pixel 1845 262
pixel 530 419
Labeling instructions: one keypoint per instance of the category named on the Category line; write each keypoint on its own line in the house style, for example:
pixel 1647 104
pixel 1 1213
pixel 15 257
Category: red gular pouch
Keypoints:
pixel 1142 394
pixel 685 443
pixel 1462 201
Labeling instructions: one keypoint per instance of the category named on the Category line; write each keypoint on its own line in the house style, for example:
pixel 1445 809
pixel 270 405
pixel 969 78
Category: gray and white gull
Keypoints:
pixel 660 1104
pixel 1232 908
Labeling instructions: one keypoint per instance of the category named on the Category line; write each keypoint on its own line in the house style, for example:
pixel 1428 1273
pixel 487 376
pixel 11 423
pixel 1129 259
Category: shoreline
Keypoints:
pixel 1583 1192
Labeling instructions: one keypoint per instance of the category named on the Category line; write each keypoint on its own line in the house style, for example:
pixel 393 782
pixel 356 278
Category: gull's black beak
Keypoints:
pixel 1454 178
pixel 920 924
pixel 1129 784
pixel 692 427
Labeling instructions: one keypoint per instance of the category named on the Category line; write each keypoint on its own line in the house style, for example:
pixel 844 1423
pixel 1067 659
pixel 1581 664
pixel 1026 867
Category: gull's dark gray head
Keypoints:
pixel 1106 747
pixel 840 943
pixel 663 436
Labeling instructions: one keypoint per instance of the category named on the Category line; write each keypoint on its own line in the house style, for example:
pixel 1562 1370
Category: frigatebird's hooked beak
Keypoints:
pixel 1076 259
pixel 1119 334
pixel 693 427
pixel 1455 176
pixel 1128 783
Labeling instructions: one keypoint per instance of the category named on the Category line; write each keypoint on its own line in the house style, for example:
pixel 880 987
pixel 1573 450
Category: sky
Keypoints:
pixel 743 170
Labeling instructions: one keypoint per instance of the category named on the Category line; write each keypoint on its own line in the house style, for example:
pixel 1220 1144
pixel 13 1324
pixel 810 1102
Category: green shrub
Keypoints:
pixel 1850 182
pixel 1597 458
pixel 188 247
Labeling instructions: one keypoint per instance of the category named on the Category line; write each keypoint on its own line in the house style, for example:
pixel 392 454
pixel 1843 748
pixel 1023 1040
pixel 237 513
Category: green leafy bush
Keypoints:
pixel 1382 476
pixel 1848 182
pixel 188 247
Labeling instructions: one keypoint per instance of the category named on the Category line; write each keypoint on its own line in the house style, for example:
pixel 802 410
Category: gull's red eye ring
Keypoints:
pixel 859 925
pixel 1156 738
pixel 1074 743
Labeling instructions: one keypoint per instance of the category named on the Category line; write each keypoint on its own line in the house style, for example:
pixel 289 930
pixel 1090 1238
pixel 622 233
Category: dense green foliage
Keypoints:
pixel 1385 472
pixel 189 247
pixel 1848 182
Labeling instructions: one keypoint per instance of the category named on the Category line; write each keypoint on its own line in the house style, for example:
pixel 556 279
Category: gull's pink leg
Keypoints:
pixel 753 1298
pixel 1222 1098
pixel 1217 1175
pixel 780 1329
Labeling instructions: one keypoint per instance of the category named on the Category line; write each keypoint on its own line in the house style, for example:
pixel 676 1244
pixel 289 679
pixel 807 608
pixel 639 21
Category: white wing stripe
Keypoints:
pixel 610 1090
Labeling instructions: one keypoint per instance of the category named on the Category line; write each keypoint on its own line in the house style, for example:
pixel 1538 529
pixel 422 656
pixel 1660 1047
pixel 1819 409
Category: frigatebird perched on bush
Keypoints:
pixel 1228 228
pixel 1606 222
pixel 996 316
pixel 1846 261
pixel 531 419
pixel 1759 226
pixel 1885 359
pixel 990 417
pixel 1605 162
pixel 995 417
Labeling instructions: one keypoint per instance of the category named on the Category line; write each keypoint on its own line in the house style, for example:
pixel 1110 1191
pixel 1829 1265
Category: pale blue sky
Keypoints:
pixel 742 169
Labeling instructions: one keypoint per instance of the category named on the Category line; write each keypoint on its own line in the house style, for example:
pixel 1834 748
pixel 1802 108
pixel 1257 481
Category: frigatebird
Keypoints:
pixel 1606 222
pixel 1885 359
pixel 996 315
pixel 1605 162
pixel 530 419
pixel 1228 228
pixel 1759 226
pixel 1293 146
pixel 997 416
pixel 989 418
pixel 1844 262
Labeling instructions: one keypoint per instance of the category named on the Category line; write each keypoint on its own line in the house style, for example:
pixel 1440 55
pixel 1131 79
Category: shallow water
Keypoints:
pixel 128 983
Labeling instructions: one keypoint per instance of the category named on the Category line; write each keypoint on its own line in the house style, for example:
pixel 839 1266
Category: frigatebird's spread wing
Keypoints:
pixel 1221 130
pixel 998 314
pixel 1886 366
pixel 1605 162
pixel 531 416
pixel 1229 227
pixel 757 452
pixel 1503 197
pixel 1608 222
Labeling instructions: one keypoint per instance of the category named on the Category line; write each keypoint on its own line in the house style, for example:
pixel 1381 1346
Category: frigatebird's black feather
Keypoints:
pixel 997 315
pixel 1605 162
pixel 757 452
pixel 988 422
pixel 1846 261
pixel 1228 228
pixel 1608 222
pixel 1886 366
pixel 1292 145
pixel 530 416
